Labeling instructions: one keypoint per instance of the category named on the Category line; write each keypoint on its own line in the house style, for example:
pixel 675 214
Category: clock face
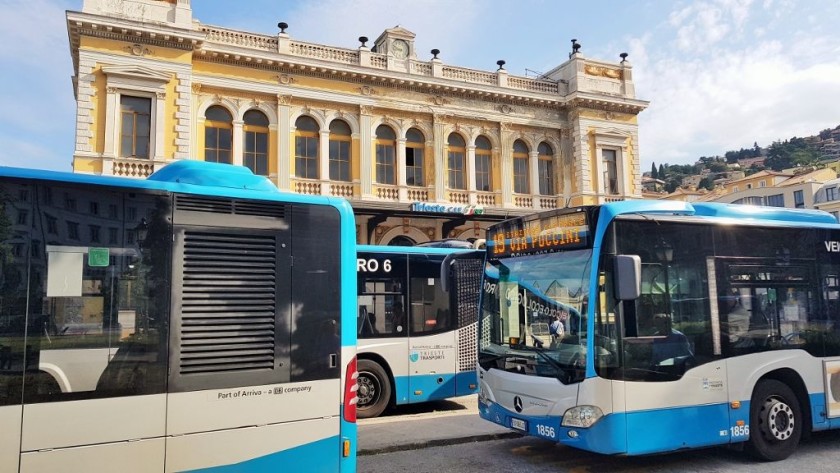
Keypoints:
pixel 400 49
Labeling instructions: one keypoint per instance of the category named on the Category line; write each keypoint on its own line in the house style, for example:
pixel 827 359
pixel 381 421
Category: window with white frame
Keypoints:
pixel 340 140
pixel 386 142
pixel 456 154
pixel 306 147
pixel 520 167
pixel 776 200
pixel 218 132
pixel 546 168
pixel 135 126
pixel 483 177
pixel 255 132
pixel 799 199
pixel 415 143
pixel 610 171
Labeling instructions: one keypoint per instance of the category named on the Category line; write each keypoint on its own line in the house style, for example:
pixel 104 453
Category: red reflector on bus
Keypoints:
pixel 351 387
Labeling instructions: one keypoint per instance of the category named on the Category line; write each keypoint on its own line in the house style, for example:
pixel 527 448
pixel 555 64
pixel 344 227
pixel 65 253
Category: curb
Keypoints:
pixel 437 443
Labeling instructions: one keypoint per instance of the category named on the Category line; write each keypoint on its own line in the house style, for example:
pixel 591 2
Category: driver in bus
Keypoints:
pixel 738 318
pixel 673 347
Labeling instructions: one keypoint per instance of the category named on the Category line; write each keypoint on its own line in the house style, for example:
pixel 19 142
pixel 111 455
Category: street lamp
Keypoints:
pixel 142 231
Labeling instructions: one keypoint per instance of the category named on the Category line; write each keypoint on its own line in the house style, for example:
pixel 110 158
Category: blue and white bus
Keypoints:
pixel 172 324
pixel 417 317
pixel 700 324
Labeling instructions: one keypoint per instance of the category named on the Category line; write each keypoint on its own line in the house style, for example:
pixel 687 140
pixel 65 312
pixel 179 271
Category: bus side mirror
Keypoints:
pixel 627 277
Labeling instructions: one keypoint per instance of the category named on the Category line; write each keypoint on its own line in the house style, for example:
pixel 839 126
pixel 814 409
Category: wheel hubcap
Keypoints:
pixel 780 420
pixel 368 390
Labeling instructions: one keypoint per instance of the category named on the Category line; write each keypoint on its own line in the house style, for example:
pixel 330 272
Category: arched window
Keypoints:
pixel 340 139
pixel 386 141
pixel 520 167
pixel 256 142
pixel 483 178
pixel 218 131
pixel 546 168
pixel 415 143
pixel 456 153
pixel 402 240
pixel 306 147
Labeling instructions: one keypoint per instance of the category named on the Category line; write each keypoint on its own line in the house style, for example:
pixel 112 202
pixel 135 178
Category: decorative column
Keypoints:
pixel 534 177
pixel 111 103
pixel 401 185
pixel 284 159
pixel 471 174
pixel 324 161
pixel 506 164
pixel 156 153
pixel 365 151
pixel 440 158
pixel 238 142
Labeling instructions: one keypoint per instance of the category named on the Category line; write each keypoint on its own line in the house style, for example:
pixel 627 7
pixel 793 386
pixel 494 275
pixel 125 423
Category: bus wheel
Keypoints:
pixel 776 421
pixel 374 389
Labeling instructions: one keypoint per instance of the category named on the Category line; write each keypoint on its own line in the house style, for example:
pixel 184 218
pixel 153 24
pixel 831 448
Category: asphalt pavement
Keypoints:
pixel 425 425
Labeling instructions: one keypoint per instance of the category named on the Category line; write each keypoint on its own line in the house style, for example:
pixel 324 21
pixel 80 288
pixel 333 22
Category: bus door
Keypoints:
pixel 433 353
pixel 381 324
pixel 765 305
pixel 461 275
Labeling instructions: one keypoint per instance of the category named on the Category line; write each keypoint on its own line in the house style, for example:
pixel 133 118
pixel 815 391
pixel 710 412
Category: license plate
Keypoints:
pixel 519 424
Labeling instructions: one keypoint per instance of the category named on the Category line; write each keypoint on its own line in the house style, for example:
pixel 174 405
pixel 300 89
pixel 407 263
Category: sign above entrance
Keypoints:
pixel 447 208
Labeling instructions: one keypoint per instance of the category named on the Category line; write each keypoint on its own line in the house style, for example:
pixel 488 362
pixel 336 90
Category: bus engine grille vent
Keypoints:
pixel 468 276
pixel 228 303
pixel 229 206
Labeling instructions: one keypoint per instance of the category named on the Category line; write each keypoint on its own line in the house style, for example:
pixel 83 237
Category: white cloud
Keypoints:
pixel 36 96
pixel 759 87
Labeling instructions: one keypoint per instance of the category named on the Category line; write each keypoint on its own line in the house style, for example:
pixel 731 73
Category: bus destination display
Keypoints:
pixel 559 232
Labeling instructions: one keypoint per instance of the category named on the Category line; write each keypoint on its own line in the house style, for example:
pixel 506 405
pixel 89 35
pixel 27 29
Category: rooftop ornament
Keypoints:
pixel 623 57
pixel 575 47
pixel 501 64
pixel 282 25
pixel 435 53
pixel 363 40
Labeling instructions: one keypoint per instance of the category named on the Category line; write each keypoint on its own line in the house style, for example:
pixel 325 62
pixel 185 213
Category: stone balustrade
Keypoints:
pixel 593 76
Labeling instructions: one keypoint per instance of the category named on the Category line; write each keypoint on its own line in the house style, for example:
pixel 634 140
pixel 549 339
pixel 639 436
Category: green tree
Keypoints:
pixel 661 174
pixel 707 183
pixel 653 173
pixel 718 167
pixel 791 153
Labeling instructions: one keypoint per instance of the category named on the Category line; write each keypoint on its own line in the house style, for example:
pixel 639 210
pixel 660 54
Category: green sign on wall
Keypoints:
pixel 99 257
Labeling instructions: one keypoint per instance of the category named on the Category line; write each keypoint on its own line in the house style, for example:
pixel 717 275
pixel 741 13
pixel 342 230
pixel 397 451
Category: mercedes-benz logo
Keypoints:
pixel 517 403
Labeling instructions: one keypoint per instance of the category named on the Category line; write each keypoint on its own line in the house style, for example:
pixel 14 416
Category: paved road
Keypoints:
pixel 449 436
pixel 425 425
pixel 532 455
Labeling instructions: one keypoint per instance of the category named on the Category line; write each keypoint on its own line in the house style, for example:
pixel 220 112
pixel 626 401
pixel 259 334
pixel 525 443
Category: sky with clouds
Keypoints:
pixel 719 74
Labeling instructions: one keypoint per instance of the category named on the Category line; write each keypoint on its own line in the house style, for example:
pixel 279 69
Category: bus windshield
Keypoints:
pixel 533 314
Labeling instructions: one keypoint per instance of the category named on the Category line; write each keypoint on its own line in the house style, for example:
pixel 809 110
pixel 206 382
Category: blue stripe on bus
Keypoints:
pixel 319 456
pixel 431 389
pixel 634 433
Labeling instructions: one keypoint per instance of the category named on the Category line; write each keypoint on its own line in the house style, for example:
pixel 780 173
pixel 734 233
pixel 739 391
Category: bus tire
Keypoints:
pixel 776 421
pixel 374 389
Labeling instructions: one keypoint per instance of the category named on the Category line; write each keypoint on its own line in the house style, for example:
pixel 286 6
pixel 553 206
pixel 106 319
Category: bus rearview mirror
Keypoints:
pixel 628 277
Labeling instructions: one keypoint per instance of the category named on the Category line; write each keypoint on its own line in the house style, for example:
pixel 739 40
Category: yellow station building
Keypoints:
pixel 422 150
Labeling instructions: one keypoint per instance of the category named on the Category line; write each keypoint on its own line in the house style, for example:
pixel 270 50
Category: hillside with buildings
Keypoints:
pixel 796 154
pixel 795 173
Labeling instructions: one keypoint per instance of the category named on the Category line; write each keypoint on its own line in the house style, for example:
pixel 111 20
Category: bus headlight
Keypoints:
pixel 582 416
